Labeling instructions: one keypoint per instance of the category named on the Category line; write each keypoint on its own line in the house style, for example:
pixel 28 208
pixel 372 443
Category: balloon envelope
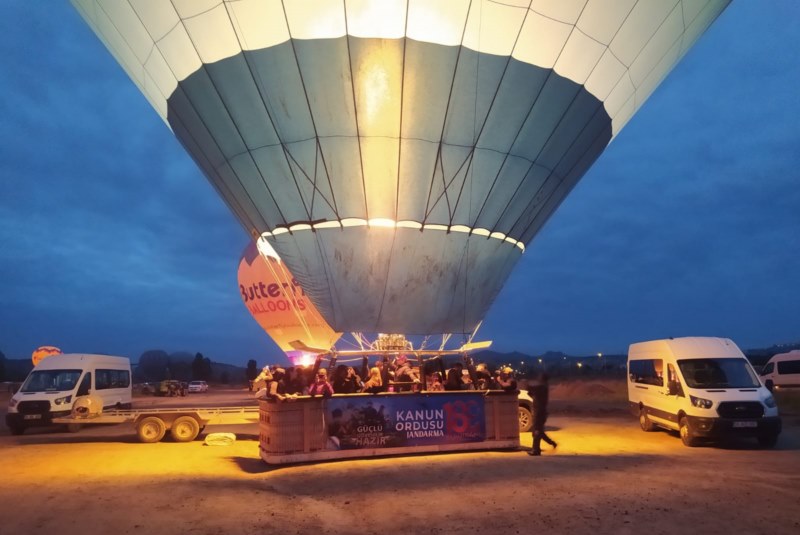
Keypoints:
pixel 398 154
pixel 41 353
pixel 278 303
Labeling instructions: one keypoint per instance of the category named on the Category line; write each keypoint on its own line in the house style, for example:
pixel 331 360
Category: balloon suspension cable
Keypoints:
pixel 445 339
pixel 359 338
pixel 424 343
pixel 478 326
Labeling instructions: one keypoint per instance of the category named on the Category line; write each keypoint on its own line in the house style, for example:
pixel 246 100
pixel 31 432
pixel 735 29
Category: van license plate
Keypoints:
pixel 745 424
pixel 32 417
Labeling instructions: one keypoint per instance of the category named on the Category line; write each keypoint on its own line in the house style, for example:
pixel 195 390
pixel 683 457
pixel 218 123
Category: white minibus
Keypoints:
pixel 701 387
pixel 51 388
pixel 782 370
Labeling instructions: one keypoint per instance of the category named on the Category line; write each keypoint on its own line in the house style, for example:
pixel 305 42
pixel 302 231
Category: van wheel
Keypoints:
pixel 16 429
pixel 644 422
pixel 767 441
pixel 687 436
pixel 185 429
pixel 151 429
pixel 73 428
pixel 525 419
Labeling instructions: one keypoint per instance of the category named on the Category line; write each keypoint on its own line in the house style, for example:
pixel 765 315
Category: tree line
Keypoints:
pixel 154 365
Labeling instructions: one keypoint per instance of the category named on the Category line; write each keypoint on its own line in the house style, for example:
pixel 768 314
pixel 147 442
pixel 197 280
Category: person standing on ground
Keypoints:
pixel 540 392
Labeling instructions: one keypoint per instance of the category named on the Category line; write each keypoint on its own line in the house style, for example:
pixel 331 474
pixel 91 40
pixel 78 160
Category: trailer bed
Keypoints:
pixel 183 423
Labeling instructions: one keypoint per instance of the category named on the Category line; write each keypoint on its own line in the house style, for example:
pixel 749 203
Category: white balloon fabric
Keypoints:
pixel 397 154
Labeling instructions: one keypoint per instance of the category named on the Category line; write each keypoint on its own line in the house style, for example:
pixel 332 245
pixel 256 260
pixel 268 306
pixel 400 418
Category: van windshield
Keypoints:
pixel 718 373
pixel 51 381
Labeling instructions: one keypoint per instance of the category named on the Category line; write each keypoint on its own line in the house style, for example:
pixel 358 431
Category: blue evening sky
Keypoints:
pixel 689 224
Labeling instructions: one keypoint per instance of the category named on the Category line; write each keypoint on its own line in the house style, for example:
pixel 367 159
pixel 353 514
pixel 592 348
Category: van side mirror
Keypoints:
pixel 673 387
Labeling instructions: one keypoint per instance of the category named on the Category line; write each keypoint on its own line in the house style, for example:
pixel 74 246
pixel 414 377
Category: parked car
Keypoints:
pixel 198 386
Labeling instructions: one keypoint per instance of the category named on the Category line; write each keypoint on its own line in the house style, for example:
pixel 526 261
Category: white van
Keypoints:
pixel 51 388
pixel 782 370
pixel 700 387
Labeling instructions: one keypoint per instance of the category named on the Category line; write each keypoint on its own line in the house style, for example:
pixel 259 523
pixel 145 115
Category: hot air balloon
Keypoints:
pixel 279 305
pixel 41 353
pixel 399 155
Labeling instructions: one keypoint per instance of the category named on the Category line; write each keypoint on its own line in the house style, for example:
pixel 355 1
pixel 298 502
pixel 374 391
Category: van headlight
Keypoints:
pixel 12 403
pixel 701 403
pixel 770 402
pixel 61 401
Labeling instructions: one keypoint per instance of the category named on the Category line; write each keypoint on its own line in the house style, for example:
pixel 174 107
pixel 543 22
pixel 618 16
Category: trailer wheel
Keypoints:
pixel 525 417
pixel 644 422
pixel 151 429
pixel 185 429
pixel 687 436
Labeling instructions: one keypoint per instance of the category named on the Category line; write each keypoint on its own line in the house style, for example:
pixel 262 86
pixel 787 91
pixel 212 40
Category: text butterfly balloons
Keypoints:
pixel 279 305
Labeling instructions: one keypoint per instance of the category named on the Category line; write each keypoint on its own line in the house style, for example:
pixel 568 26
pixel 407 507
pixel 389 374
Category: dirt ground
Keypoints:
pixel 607 476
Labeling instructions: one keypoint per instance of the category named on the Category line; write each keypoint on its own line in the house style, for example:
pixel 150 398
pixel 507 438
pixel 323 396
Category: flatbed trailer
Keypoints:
pixel 183 424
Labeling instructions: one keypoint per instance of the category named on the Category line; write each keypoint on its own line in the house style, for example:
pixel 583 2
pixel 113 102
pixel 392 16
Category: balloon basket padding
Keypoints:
pixel 295 432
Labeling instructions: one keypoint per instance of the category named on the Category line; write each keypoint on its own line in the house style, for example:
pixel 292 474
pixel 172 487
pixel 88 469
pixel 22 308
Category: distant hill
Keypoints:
pixel 554 362
pixel 759 357
pixel 16 370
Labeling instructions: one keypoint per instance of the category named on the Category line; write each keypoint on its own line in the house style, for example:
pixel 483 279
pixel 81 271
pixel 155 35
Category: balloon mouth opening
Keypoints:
pixel 301 358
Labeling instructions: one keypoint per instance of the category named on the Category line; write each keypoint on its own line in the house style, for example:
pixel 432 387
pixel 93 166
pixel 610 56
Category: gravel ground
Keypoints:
pixel 606 476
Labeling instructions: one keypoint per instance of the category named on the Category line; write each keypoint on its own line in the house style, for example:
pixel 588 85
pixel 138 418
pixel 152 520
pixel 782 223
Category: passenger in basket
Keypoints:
pixel 484 378
pixel 374 384
pixel 540 393
pixel 466 381
pixel 347 381
pixel 294 381
pixel 455 377
pixel 274 386
pixel 506 380
pixel 321 386
pixel 404 373
pixel 434 381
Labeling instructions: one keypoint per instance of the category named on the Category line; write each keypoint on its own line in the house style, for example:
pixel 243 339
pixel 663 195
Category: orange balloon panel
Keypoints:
pixel 43 352
pixel 278 303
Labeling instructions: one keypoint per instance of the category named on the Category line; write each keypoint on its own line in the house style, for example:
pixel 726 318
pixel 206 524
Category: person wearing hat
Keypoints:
pixel 506 380
pixel 274 388
pixel 321 386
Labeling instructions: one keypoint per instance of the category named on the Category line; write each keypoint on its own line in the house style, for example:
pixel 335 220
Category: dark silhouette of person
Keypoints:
pixel 540 392
pixel 455 377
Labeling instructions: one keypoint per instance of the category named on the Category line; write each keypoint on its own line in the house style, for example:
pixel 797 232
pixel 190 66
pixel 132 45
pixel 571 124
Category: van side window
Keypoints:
pixel 105 379
pixel 647 372
pixel 768 368
pixel 86 385
pixel 788 367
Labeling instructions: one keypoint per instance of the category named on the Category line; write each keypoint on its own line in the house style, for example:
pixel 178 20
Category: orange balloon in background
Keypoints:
pixel 43 352
pixel 279 304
